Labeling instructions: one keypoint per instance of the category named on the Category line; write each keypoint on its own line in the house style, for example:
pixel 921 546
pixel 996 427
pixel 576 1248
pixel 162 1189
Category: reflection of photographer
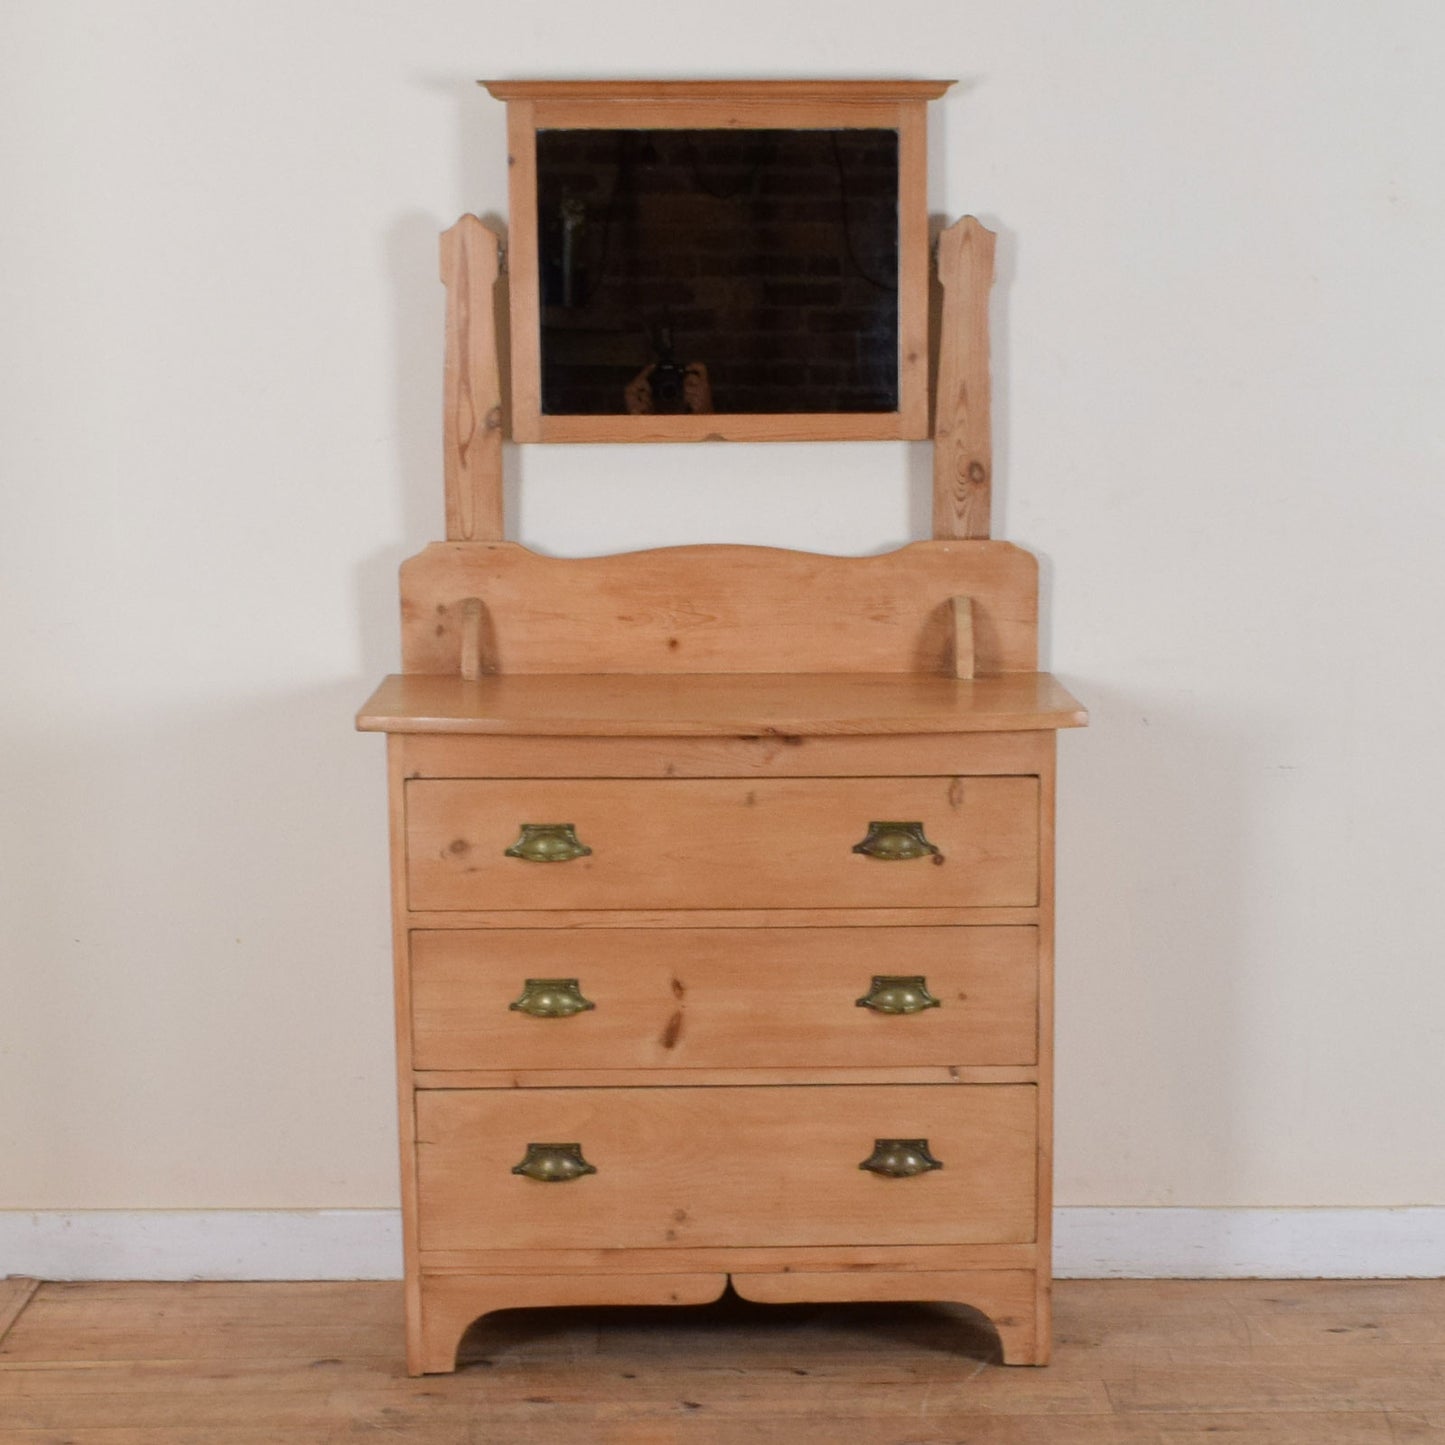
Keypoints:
pixel 667 387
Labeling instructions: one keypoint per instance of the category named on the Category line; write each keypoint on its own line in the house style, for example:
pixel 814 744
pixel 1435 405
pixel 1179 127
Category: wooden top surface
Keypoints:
pixel 862 90
pixel 715 705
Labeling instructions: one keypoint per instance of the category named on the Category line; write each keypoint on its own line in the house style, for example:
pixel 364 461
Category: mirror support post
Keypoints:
pixel 472 387
pixel 962 427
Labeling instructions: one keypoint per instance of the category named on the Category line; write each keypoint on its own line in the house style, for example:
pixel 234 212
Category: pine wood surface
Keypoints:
pixel 728 918
pixel 858 426
pixel 405 1103
pixel 1007 1297
pixel 720 608
pixel 841 91
pixel 15 1294
pixel 851 1259
pixel 825 105
pixel 746 706
pixel 1247 1362
pixel 1044 1204
pixel 463 755
pixel 913 268
pixel 612 1078
pixel 709 1167
pixel 723 998
pixel 962 422
pixel 524 290
pixel 472 386
pixel 965 661
pixel 722 843
pixel 740 112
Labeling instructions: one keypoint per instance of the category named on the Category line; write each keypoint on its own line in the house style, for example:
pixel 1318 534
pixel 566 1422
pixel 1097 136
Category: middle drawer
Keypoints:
pixel 723 997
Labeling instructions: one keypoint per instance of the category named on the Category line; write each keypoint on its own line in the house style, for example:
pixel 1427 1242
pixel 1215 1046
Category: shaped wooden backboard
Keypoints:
pixel 498 607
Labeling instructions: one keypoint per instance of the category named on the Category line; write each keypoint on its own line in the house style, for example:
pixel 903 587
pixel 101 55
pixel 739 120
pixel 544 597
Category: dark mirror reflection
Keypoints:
pixel 718 270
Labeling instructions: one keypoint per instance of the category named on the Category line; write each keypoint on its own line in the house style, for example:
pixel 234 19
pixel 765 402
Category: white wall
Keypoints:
pixel 1220 359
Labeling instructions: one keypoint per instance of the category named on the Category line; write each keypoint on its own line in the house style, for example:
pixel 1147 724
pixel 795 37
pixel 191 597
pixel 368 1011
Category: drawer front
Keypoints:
pixel 714 1166
pixel 723 997
pixel 726 1166
pixel 723 843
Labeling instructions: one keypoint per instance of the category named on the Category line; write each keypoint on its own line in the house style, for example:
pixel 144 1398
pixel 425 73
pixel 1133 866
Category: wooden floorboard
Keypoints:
pixel 15 1294
pixel 1250 1362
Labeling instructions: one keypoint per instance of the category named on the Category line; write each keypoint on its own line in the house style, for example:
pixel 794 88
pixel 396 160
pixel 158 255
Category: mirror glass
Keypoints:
pixel 738 271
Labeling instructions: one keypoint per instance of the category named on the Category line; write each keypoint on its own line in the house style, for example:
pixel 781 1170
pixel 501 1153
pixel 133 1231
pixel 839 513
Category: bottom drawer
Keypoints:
pixel 726 1166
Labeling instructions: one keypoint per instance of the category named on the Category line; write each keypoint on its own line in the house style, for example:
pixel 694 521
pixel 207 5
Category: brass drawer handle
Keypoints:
pixel 551 998
pixel 893 993
pixel 548 843
pixel 900 1158
pixel 553 1163
pixel 897 842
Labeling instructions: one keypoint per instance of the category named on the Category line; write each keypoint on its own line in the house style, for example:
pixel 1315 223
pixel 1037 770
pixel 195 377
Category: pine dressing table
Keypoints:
pixel 722 876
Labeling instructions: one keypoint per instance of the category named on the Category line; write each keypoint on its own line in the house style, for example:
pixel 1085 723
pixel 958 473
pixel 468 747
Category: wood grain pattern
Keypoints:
pixel 15 1294
pixel 729 112
pixel 773 752
pixel 674 1259
pixel 913 355
pixel 962 424
pixel 721 112
pixel 725 1166
pixel 721 609
pixel 665 1078
pixel 402 1033
pixel 1138 1362
pixel 770 714
pixel 524 288
pixel 965 662
pixel 764 761
pixel 840 91
pixel 472 387
pixel 691 998
pixel 722 724
pixel 837 426
pixel 722 843
pixel 740 105
pixel 452 1303
pixel 471 660
pixel 1042 1313
pixel 590 918
pixel 1005 1296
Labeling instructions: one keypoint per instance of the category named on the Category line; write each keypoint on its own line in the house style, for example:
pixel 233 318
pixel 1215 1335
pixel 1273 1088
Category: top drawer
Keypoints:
pixel 723 843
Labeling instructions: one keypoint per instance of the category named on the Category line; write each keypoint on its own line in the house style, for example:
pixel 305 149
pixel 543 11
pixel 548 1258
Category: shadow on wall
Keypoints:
pixel 204 922
pixel 1157 856
pixel 208 962
pixel 418 326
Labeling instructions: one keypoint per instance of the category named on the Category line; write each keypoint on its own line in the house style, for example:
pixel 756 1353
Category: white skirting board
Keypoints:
pixel 1249 1243
pixel 202 1244
pixel 366 1243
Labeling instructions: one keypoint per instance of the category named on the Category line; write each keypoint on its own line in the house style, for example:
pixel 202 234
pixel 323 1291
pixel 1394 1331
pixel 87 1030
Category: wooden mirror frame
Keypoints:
pixel 719 105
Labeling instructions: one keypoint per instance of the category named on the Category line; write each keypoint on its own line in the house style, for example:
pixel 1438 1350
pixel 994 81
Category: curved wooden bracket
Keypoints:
pixel 964 657
pixel 473 663
pixel 449 1303
pixel 1018 1312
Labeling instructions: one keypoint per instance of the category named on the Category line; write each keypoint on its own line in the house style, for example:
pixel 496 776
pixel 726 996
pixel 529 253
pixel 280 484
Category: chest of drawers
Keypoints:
pixel 720 977
pixel 722 877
